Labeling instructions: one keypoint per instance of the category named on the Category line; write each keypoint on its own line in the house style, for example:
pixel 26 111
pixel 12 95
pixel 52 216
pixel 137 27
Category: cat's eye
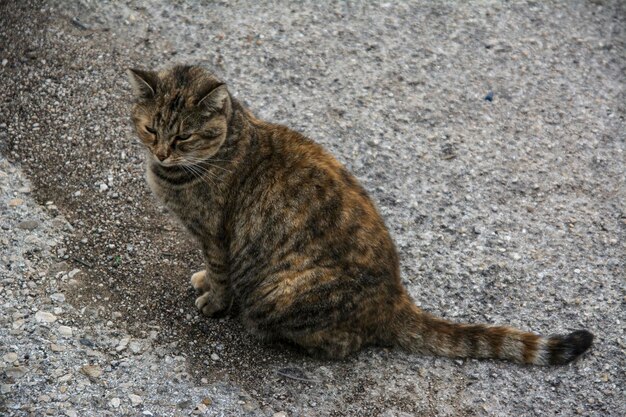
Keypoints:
pixel 180 138
pixel 150 130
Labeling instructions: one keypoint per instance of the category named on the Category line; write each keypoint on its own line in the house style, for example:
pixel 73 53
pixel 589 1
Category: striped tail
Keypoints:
pixel 423 333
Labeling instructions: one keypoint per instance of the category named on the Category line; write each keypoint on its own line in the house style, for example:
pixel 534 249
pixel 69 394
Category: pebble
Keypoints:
pixel 5 388
pixel 28 225
pixel 184 404
pixel 57 348
pixel 10 357
pixel 45 317
pixel 135 346
pixel 123 344
pixel 73 272
pixel 280 414
pixel 71 413
pixel 115 402
pixel 135 399
pixel 15 371
pixel 215 357
pixel 65 331
pixel 65 378
pixel 92 371
pixel 200 409
pixel 58 297
pixel 16 202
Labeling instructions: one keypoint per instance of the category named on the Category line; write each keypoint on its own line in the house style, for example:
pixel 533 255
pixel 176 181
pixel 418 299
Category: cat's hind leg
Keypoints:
pixel 332 344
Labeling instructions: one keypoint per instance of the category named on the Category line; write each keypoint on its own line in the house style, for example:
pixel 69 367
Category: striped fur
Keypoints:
pixel 289 236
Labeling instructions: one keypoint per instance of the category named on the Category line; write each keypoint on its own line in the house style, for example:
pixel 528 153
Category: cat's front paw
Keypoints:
pixel 198 281
pixel 210 304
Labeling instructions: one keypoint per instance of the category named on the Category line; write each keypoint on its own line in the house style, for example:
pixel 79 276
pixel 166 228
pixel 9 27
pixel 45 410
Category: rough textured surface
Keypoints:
pixel 492 138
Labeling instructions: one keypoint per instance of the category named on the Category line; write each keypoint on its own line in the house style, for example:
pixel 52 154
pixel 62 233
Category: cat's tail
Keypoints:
pixel 420 332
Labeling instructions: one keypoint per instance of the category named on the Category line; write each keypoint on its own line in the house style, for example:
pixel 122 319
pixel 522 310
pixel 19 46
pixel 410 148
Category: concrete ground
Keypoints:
pixel 491 135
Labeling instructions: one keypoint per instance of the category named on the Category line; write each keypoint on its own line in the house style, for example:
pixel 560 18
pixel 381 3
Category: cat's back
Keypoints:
pixel 302 224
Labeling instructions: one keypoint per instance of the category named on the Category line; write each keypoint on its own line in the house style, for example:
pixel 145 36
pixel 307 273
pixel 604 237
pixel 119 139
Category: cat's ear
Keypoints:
pixel 217 100
pixel 144 83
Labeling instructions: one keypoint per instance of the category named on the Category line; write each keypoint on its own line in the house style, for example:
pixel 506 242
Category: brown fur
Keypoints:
pixel 290 236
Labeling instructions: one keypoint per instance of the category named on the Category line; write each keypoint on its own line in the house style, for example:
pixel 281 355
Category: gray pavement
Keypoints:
pixel 491 136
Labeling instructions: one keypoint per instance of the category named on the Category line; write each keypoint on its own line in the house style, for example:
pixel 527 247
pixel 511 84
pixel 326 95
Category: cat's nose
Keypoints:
pixel 162 155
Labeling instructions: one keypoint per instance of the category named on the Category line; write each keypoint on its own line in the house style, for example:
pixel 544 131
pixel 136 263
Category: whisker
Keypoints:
pixel 201 175
pixel 199 161
pixel 192 169
pixel 219 167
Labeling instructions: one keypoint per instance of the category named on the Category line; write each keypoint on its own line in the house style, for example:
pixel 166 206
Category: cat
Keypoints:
pixel 290 236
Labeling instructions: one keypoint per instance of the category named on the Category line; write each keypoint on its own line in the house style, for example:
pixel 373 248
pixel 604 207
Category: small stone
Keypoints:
pixel 45 317
pixel 115 402
pixel 516 256
pixel 135 399
pixel 200 409
pixel 280 414
pixel 92 371
pixel 65 378
pixel 15 371
pixel 184 404
pixel 10 357
pixel 28 225
pixel 103 187
pixel 207 401
pixel 86 342
pixel 57 348
pixel 15 202
pixel 58 297
pixel 135 346
pixel 215 357
pixel 71 413
pixel 65 331
pixel 73 272
pixel 5 388
pixel 123 344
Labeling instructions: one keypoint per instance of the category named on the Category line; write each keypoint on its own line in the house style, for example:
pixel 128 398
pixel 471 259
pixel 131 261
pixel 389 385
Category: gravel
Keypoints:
pixel 491 137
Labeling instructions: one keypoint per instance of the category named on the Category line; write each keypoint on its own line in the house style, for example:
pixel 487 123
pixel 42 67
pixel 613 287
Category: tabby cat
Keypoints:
pixel 290 236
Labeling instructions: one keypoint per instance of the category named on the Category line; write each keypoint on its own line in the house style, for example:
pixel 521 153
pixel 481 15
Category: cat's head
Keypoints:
pixel 181 114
